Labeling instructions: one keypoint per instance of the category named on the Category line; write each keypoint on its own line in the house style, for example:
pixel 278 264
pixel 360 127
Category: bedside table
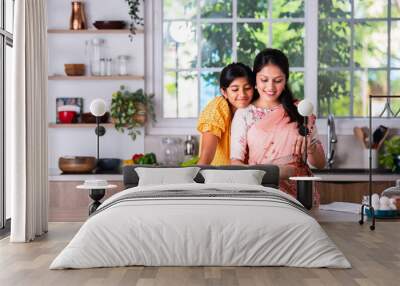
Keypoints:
pixel 96 193
pixel 305 190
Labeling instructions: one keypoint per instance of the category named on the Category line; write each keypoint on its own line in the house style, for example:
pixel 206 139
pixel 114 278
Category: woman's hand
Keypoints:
pixel 315 153
pixel 299 146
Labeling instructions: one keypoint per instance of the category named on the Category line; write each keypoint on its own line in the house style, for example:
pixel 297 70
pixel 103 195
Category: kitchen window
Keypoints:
pixel 359 55
pixel 201 37
pixel 339 50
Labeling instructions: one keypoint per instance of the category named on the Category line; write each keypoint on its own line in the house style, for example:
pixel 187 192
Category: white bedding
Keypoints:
pixel 187 231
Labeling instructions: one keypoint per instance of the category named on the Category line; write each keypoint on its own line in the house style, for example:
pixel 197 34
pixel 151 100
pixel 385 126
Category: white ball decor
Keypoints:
pixel 98 107
pixel 305 107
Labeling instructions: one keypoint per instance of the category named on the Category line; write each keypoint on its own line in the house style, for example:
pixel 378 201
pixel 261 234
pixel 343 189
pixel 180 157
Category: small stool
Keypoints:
pixel 305 190
pixel 96 193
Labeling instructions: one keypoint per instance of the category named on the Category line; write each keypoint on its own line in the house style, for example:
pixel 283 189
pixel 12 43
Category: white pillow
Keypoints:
pixel 249 177
pixel 166 176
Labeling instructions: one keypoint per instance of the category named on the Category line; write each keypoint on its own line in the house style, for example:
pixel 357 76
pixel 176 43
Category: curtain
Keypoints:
pixel 26 128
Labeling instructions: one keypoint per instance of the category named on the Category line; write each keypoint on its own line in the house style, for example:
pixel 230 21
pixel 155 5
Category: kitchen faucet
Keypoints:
pixel 332 139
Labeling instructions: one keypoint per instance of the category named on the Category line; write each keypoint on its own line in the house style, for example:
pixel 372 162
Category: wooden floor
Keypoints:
pixel 374 255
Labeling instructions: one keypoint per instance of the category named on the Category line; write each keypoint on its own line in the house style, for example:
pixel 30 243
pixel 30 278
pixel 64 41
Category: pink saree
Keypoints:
pixel 270 139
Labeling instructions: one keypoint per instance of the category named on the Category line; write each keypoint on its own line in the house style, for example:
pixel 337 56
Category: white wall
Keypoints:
pixel 70 48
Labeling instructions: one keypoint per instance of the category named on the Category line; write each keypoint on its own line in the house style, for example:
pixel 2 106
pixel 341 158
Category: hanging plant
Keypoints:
pixel 129 110
pixel 133 12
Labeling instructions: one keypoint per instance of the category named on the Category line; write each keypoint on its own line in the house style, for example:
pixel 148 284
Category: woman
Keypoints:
pixel 237 87
pixel 269 127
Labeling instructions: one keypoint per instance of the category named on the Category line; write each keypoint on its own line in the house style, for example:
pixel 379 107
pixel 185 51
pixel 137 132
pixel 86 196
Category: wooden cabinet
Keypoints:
pixel 352 192
pixel 67 203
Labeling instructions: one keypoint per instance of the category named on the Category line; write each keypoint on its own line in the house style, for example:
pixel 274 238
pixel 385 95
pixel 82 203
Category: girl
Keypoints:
pixel 269 127
pixel 237 87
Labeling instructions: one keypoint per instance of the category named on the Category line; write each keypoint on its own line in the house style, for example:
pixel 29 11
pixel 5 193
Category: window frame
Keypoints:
pixel 352 68
pixel 184 126
pixel 345 125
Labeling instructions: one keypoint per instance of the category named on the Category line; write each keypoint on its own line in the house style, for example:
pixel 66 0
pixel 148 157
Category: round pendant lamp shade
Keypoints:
pixel 98 107
pixel 305 107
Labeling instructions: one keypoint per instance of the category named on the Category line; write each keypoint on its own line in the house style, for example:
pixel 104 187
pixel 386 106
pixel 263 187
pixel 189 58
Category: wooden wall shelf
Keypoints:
pixel 79 125
pixel 113 77
pixel 93 31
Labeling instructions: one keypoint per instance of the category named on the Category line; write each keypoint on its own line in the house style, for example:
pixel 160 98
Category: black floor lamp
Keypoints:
pixel 305 184
pixel 98 109
pixel 305 109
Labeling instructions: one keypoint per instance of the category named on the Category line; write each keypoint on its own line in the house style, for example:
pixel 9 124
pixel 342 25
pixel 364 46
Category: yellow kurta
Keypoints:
pixel 216 118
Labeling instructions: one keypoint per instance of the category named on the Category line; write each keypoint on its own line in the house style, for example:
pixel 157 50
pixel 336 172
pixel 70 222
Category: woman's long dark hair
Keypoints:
pixel 278 58
pixel 234 71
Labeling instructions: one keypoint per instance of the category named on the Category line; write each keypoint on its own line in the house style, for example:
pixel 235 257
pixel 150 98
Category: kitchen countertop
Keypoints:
pixel 83 177
pixel 355 175
pixel 329 175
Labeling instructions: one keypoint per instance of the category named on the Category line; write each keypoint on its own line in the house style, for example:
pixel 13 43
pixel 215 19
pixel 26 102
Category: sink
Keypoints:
pixel 351 171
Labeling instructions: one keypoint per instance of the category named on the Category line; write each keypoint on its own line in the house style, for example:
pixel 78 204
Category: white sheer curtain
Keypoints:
pixel 27 123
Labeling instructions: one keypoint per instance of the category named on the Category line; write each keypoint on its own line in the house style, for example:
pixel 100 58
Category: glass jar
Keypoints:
pixel 102 67
pixel 96 53
pixel 170 150
pixel 123 65
pixel 88 57
pixel 109 67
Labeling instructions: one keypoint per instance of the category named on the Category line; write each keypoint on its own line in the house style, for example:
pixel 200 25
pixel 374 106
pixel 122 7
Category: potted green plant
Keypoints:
pixel 390 158
pixel 130 110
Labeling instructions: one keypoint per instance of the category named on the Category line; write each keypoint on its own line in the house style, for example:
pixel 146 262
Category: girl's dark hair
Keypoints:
pixel 278 58
pixel 234 71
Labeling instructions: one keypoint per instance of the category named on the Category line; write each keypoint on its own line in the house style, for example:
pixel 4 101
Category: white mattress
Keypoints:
pixel 191 231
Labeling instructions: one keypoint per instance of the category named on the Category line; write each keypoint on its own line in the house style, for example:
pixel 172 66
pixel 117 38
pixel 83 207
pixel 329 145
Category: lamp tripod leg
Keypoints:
pixel 97 133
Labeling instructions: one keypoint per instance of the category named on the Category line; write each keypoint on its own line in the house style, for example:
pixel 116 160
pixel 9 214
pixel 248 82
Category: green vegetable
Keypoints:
pixel 142 160
pixel 191 162
pixel 152 158
pixel 148 159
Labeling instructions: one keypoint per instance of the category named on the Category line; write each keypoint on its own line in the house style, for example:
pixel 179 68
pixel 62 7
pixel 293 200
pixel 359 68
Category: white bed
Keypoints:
pixel 265 229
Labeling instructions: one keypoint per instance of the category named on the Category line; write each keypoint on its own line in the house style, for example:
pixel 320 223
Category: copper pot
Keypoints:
pixel 77 20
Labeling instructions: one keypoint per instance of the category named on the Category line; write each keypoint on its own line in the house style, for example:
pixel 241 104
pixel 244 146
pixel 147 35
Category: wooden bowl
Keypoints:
pixel 74 69
pixel 77 165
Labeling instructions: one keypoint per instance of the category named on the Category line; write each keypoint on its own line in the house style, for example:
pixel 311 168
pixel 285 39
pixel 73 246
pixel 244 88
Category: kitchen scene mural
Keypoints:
pixel 96 54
